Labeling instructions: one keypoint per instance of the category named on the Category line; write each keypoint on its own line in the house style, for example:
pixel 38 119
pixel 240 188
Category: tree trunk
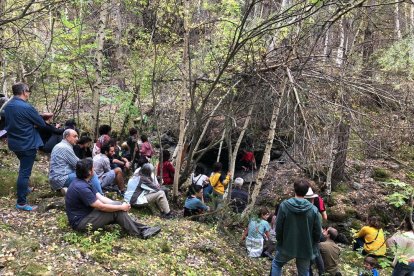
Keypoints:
pixel 97 87
pixel 183 97
pixel 397 21
pixel 266 155
pixel 338 171
pixel 240 139
pixel 341 48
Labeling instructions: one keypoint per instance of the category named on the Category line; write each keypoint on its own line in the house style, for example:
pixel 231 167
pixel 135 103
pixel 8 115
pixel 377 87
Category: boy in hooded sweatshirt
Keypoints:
pixel 298 230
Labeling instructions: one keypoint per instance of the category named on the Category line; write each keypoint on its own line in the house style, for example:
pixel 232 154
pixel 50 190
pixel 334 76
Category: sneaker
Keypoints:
pixel 26 207
pixel 150 232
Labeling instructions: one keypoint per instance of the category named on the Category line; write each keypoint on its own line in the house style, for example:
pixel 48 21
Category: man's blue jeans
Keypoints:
pixel 280 260
pixel 26 159
pixel 402 269
pixel 94 182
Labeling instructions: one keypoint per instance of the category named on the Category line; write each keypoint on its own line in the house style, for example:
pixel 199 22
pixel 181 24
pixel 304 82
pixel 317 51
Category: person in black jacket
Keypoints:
pixel 82 148
pixel 50 134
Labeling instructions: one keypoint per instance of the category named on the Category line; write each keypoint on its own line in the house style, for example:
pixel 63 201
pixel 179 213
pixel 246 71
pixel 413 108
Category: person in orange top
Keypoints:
pixel 371 238
pixel 219 183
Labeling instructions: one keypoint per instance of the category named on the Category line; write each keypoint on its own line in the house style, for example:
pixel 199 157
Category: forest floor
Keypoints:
pixel 42 243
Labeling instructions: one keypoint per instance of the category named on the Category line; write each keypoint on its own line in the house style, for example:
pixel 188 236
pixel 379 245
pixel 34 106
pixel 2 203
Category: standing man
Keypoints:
pixel 298 230
pixel 23 139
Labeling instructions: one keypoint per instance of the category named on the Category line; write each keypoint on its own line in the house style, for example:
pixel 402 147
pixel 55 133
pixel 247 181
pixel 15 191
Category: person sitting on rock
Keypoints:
pixel 111 180
pixel 63 164
pixel 219 183
pixel 402 244
pixel 247 161
pixel 51 135
pixel 88 210
pixel 257 233
pixel 168 170
pixel 82 147
pixel 193 203
pixel 239 197
pixel 330 251
pixel 371 238
pixel 142 189
pixel 146 147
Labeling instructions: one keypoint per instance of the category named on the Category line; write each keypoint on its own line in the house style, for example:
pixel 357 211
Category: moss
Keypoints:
pixel 381 174
pixel 341 187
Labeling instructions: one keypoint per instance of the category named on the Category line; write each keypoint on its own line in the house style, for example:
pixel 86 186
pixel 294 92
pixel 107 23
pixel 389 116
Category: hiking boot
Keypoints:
pixel 150 232
pixel 26 207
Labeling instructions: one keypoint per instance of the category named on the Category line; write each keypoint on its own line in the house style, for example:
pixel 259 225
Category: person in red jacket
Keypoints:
pixel 167 169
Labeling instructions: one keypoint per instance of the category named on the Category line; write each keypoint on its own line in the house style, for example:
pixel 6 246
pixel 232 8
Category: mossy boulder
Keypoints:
pixel 341 213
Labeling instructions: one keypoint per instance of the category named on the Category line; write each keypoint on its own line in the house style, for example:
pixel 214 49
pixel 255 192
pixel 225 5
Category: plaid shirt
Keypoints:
pixel 62 163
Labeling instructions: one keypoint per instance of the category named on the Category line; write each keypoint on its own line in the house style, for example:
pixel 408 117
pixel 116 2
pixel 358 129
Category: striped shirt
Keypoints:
pixel 62 163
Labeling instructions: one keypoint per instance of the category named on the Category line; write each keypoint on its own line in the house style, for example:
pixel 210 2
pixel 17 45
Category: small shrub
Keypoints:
pixel 381 174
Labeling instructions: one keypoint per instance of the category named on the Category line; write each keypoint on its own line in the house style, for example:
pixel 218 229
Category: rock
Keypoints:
pixel 168 140
pixel 357 185
pixel 394 166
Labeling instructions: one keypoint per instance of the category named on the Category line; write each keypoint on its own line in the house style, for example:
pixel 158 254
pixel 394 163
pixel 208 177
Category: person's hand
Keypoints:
pixel 57 125
pixel 228 174
pixel 125 207
pixel 127 165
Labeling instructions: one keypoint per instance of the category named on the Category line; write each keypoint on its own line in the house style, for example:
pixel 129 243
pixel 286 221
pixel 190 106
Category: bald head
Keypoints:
pixel 71 136
pixel 332 233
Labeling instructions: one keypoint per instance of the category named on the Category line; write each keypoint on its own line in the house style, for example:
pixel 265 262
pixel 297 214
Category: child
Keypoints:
pixel 369 267
pixel 193 204
pixel 146 148
pixel 256 233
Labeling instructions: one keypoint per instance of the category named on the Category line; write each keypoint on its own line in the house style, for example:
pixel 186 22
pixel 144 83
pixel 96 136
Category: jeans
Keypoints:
pixel 97 219
pixel 280 260
pixel 26 159
pixel 402 269
pixel 94 181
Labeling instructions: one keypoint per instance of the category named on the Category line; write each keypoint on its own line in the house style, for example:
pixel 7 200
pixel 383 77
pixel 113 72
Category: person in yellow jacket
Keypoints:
pixel 371 238
pixel 219 183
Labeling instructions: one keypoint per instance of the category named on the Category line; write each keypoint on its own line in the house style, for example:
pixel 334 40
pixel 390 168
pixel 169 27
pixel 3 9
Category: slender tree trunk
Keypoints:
pixel 397 21
pixel 240 139
pixel 97 87
pixel 412 18
pixel 341 48
pixel 183 97
pixel 221 144
pixel 266 155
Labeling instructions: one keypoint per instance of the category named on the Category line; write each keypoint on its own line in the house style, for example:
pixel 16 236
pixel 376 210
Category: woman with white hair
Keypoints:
pixel 143 188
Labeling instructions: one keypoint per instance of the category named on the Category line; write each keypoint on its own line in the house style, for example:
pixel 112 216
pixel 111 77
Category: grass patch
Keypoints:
pixel 7 182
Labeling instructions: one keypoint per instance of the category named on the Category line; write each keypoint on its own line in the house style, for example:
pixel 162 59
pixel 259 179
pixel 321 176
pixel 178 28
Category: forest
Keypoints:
pixel 316 89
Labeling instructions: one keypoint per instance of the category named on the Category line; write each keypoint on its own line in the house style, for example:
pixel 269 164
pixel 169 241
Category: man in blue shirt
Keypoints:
pixel 22 121
pixel 89 210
